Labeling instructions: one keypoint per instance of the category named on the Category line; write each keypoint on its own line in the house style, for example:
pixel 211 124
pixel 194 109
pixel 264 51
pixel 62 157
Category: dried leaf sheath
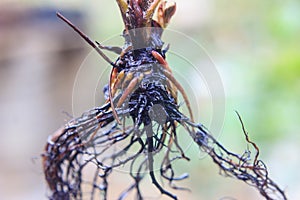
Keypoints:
pixel 138 122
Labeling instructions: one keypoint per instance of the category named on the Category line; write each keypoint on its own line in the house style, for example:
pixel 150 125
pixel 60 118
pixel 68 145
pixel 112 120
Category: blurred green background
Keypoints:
pixel 255 46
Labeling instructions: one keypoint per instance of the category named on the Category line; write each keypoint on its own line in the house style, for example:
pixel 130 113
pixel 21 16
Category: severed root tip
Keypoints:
pixel 86 38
